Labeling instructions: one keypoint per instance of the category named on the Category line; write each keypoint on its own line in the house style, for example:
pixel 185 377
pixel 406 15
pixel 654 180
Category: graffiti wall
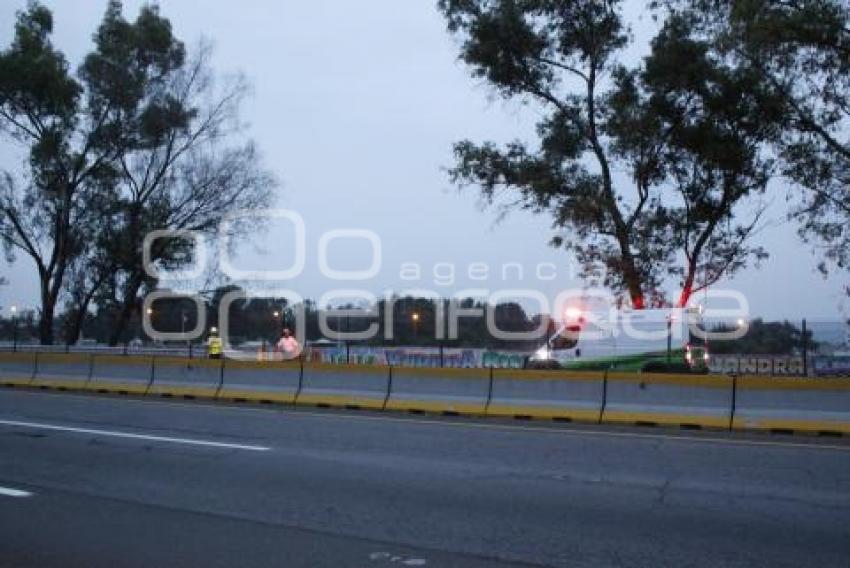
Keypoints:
pixel 416 357
pixel 781 365
pixel 777 365
pixel 756 365
pixel 832 366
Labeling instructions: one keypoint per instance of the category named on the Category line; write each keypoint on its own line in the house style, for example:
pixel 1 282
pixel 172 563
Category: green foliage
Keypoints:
pixel 683 126
pixel 766 338
pixel 137 140
pixel 800 51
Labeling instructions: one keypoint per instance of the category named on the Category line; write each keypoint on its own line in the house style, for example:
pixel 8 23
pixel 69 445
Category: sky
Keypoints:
pixel 355 107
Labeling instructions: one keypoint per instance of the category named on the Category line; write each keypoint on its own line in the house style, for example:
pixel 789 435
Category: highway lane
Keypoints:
pixel 139 482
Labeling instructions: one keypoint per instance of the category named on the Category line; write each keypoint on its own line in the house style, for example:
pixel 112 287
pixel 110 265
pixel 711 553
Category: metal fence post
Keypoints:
pixel 805 350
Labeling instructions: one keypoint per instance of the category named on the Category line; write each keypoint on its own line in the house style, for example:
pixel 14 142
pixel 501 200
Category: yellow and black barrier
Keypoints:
pixel 440 390
pixel 792 404
pixel 557 395
pixel 188 378
pixel 17 369
pixel 62 370
pixel 346 386
pixel 698 401
pixel 260 381
pixel 121 374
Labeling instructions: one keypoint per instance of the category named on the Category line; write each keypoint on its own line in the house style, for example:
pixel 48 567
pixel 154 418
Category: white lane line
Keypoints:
pixel 9 492
pixel 189 441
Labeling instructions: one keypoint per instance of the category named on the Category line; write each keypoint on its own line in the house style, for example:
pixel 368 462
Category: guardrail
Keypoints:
pixel 195 352
pixel 688 401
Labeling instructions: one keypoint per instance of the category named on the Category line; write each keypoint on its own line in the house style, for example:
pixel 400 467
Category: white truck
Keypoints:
pixel 623 340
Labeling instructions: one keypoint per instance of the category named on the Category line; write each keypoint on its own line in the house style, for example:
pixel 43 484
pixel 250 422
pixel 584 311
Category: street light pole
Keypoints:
pixel 805 349
pixel 14 310
pixel 338 328
pixel 415 317
pixel 277 328
pixel 347 331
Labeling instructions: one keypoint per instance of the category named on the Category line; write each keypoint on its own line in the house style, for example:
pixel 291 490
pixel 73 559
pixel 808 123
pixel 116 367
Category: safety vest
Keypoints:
pixel 214 346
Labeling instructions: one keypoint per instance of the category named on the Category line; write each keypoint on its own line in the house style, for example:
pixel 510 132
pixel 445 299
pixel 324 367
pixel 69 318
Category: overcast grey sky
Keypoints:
pixel 355 107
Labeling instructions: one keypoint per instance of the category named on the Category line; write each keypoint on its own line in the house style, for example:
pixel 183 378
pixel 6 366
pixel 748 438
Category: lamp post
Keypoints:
pixel 149 311
pixel 805 349
pixel 183 318
pixel 338 328
pixel 415 318
pixel 14 310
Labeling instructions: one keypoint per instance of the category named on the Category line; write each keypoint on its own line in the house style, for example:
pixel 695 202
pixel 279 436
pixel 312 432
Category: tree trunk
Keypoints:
pixel 688 285
pixel 631 276
pixel 77 322
pixel 72 331
pixel 82 310
pixel 687 291
pixel 45 323
pixel 634 286
pixel 128 304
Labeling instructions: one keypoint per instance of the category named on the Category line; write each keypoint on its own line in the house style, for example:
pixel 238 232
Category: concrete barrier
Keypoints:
pixel 685 400
pixel 353 386
pixel 17 369
pixel 121 374
pixel 453 391
pixel 62 371
pixel 791 403
pixel 566 395
pixel 177 376
pixel 263 381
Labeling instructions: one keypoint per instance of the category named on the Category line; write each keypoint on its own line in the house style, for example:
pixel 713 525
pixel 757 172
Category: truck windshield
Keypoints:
pixel 565 338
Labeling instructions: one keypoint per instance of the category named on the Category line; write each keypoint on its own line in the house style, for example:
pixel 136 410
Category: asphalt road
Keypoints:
pixel 103 481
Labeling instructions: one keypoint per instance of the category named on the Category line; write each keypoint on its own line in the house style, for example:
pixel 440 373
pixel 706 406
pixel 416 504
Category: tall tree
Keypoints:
pixel 194 166
pixel 800 49
pixel 140 139
pixel 74 130
pixel 697 129
pixel 672 215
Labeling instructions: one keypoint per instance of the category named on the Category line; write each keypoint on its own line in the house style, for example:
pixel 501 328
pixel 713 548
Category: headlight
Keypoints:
pixel 542 353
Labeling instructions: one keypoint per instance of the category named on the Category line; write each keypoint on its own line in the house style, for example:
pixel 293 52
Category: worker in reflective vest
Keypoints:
pixel 214 344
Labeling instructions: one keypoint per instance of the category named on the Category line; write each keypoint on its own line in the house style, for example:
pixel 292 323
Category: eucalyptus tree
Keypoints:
pixel 140 138
pixel 642 169
pixel 187 176
pixel 72 128
pixel 801 50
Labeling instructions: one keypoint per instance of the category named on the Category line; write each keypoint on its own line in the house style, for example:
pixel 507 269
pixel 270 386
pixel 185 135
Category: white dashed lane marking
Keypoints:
pixel 9 492
pixel 134 436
